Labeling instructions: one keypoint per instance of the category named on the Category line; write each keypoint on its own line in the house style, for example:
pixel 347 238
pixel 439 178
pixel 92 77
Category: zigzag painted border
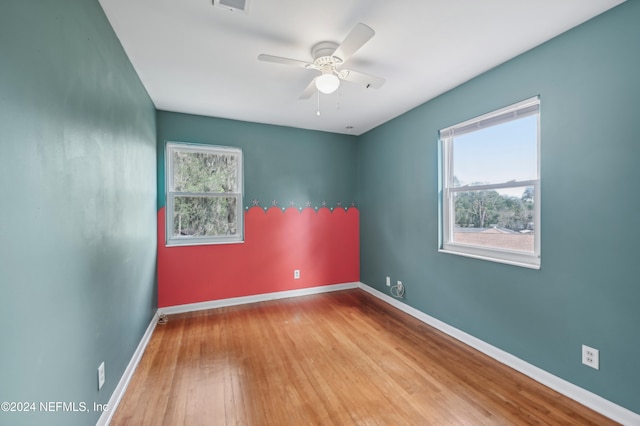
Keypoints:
pixel 307 204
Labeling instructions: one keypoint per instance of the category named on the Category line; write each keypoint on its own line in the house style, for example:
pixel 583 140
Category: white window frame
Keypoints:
pixel 171 195
pixel 448 190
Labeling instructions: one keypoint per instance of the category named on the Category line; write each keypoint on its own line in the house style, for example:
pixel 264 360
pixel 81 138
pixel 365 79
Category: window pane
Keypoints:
pixel 497 154
pixel 204 216
pixel 502 218
pixel 204 172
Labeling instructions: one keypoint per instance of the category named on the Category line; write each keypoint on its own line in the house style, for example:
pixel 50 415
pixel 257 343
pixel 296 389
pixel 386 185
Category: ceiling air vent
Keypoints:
pixel 233 5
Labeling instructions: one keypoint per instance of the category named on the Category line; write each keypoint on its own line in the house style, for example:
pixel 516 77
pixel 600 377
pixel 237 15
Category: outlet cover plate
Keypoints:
pixel 101 375
pixel 591 357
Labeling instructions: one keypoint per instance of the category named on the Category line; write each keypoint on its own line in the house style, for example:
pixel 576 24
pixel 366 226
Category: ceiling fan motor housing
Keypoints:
pixel 322 53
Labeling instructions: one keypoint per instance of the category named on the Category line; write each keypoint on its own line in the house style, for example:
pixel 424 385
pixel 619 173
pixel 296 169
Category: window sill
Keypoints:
pixel 187 243
pixel 522 260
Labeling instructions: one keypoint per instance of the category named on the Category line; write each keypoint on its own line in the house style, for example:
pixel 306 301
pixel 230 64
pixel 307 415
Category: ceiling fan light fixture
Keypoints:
pixel 327 83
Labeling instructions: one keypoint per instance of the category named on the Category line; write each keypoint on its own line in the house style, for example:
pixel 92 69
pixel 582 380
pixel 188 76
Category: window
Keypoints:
pixel 491 186
pixel 204 194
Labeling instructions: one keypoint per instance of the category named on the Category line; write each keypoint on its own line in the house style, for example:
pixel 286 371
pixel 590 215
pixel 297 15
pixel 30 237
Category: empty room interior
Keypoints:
pixel 341 212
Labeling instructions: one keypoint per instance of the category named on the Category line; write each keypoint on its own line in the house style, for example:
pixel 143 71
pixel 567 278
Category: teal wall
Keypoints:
pixel 78 200
pixel 280 163
pixel 588 289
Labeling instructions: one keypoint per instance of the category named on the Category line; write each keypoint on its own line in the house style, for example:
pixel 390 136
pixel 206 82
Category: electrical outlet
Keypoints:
pixel 400 287
pixel 388 281
pixel 296 274
pixel 591 357
pixel 101 375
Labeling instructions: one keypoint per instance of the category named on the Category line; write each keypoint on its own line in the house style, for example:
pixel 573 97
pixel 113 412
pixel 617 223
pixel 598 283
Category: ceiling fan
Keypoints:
pixel 328 58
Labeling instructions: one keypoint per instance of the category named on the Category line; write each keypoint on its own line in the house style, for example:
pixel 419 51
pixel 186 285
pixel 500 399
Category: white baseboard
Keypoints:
pixel 191 307
pixel 583 396
pixel 119 391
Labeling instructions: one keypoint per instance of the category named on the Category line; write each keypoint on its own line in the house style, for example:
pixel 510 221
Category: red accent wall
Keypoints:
pixel 323 245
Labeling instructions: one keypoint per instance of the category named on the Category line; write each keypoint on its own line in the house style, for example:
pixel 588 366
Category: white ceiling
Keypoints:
pixel 195 58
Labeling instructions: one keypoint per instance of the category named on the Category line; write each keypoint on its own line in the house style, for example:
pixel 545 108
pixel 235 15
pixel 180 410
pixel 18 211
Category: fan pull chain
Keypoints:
pixel 338 98
pixel 318 111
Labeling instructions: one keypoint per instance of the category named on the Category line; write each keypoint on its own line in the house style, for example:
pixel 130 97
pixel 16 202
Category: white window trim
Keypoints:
pixel 170 196
pixel 447 222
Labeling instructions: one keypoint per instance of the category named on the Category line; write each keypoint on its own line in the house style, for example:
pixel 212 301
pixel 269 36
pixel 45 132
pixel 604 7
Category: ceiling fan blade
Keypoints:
pixel 284 61
pixel 354 41
pixel 309 91
pixel 362 78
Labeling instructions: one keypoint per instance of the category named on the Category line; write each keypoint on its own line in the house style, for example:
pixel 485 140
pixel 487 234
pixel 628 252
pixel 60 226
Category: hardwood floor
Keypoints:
pixel 332 359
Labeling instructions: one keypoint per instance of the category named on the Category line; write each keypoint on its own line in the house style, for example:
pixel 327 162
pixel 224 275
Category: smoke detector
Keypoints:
pixel 233 5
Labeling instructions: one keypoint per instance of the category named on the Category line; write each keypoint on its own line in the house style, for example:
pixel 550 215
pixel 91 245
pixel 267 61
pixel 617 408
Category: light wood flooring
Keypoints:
pixel 341 358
